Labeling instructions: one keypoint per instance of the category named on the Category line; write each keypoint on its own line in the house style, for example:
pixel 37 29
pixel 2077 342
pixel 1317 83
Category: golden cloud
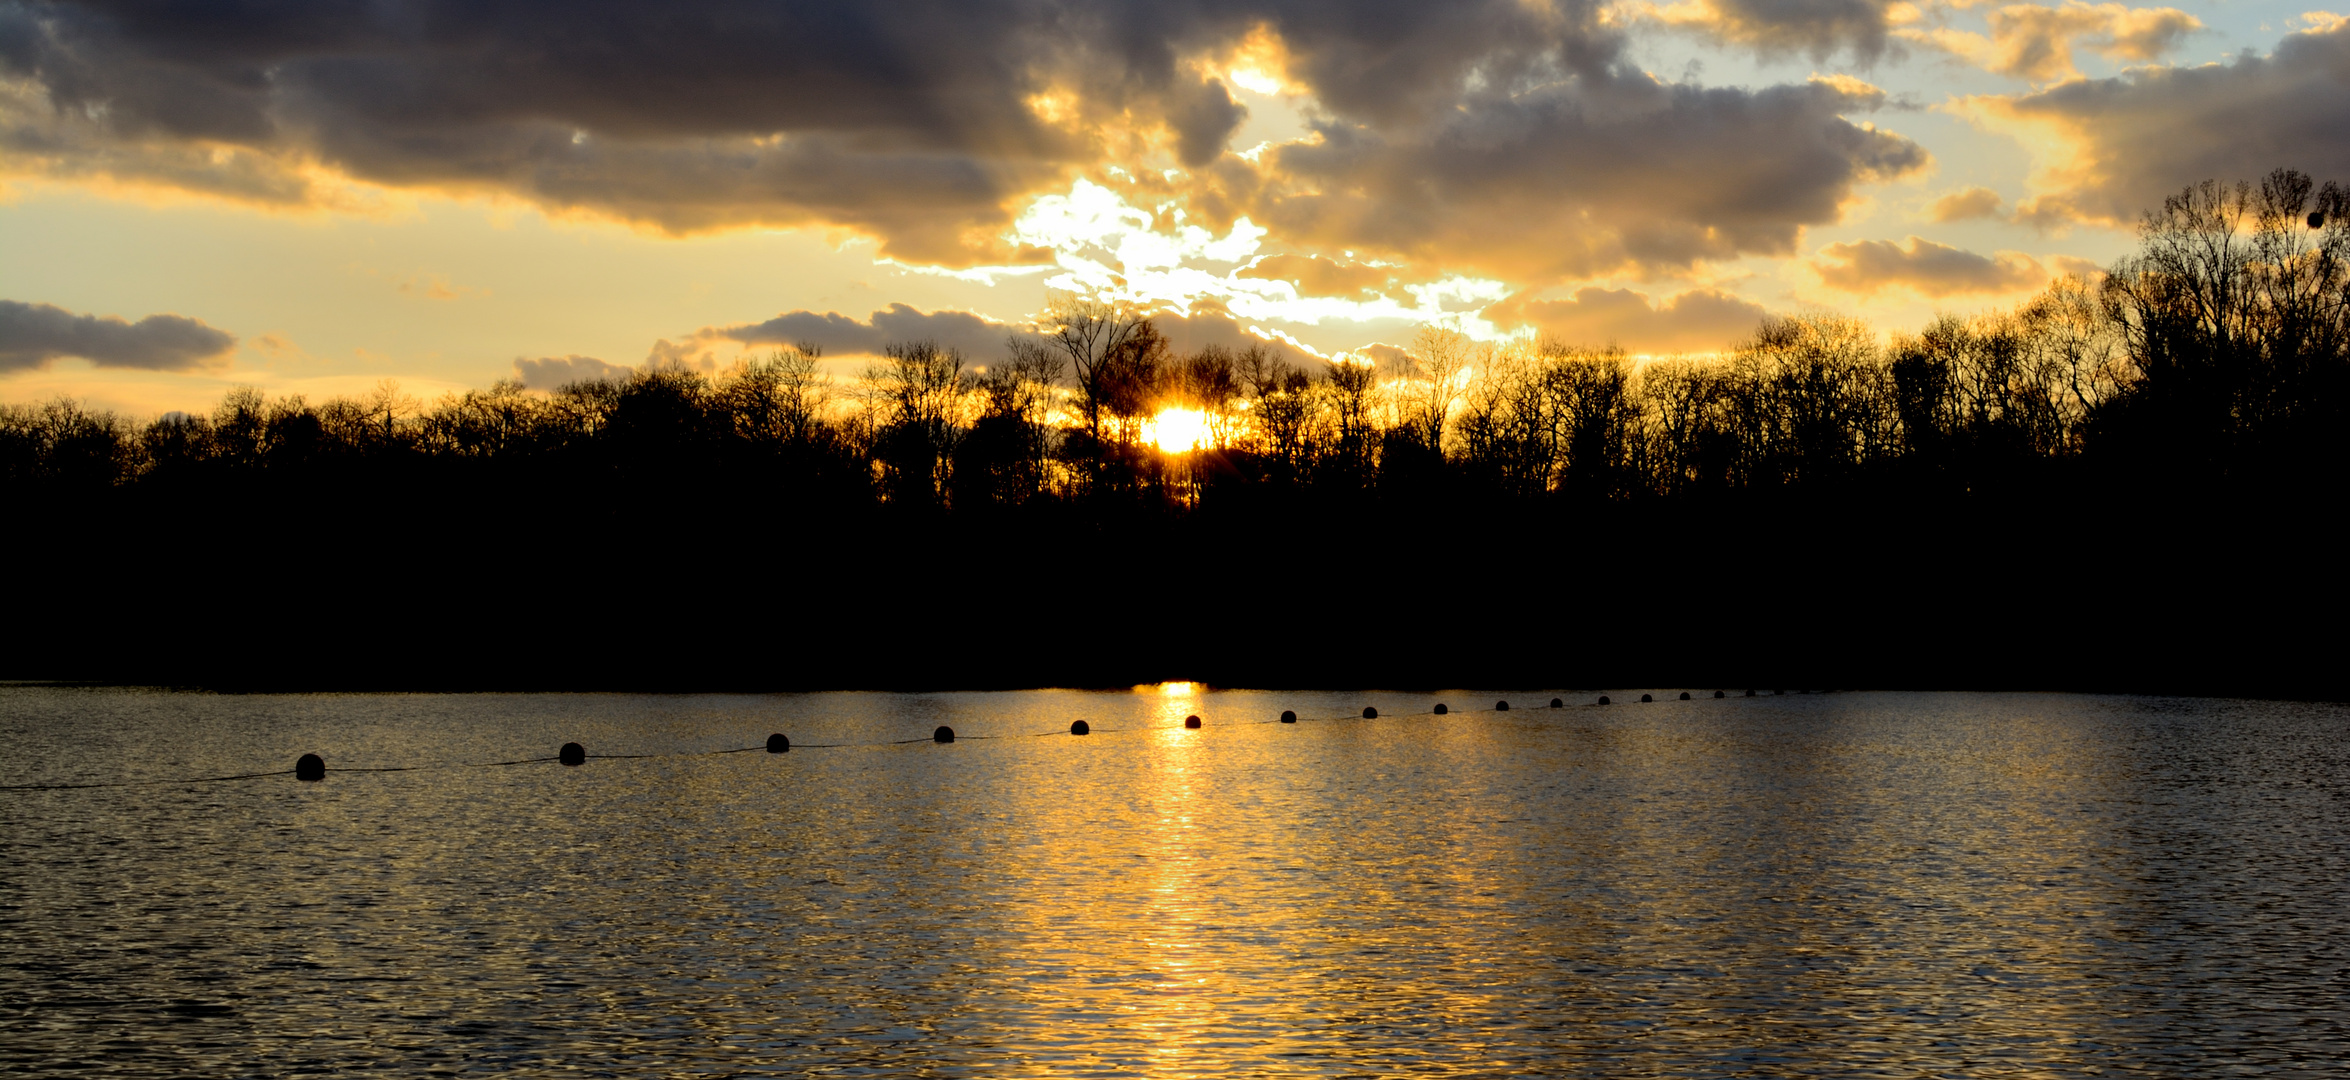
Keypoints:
pixel 1925 267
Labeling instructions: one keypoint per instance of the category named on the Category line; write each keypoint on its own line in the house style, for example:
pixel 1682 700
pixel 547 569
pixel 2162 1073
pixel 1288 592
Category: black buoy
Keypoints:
pixel 943 734
pixel 778 743
pixel 1440 710
pixel 1191 721
pixel 1288 717
pixel 1776 693
pixel 1603 700
pixel 1719 694
pixel 310 767
pixel 1684 695
pixel 1644 698
pixel 1750 693
pixel 572 754
pixel 1370 713
pixel 1080 727
pixel 2317 220
pixel 1557 704
pixel 1501 706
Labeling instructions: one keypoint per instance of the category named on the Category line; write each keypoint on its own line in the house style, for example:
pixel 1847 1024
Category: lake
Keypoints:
pixel 1850 884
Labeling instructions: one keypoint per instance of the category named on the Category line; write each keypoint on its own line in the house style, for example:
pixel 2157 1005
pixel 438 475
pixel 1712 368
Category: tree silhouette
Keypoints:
pixel 1954 491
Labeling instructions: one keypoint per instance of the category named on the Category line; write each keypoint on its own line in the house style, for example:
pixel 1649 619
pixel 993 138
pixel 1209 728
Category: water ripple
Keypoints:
pixel 1838 885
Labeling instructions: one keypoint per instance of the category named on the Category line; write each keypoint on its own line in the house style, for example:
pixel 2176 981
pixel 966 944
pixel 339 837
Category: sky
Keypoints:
pixel 312 196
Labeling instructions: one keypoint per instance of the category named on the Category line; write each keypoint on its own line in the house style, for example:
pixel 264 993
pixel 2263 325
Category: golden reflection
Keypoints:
pixel 1188 977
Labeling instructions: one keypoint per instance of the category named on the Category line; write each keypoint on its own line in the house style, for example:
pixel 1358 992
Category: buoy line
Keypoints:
pixel 312 768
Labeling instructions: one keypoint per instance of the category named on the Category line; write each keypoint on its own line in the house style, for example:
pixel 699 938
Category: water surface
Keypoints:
pixel 1812 885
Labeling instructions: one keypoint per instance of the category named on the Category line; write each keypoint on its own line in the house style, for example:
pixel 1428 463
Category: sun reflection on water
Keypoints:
pixel 1814 886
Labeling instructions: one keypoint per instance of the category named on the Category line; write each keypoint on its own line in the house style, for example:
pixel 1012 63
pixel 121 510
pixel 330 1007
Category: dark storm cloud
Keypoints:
pixel 2141 136
pixel 920 122
pixel 34 335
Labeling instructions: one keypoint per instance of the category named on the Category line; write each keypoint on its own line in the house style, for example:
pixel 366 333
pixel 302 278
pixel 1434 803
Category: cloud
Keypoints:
pixel 915 122
pixel 2126 143
pixel 1695 321
pixel 556 372
pixel 1601 173
pixel 1817 28
pixel 1974 202
pixel 2035 41
pixel 1208 326
pixel 32 336
pixel 978 337
pixel 1320 277
pixel 1931 269
pixel 1389 358
pixel 930 127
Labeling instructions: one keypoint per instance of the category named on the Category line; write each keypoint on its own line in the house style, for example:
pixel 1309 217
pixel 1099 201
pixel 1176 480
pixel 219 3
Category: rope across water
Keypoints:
pixel 313 768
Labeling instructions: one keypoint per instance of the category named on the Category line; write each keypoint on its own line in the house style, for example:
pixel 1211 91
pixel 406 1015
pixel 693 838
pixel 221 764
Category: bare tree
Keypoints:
pixel 920 391
pixel 1130 380
pixel 1438 360
pixel 1093 333
pixel 2235 315
pixel 1814 398
pixel 386 404
pixel 1210 381
pixel 778 399
pixel 1278 403
pixel 1006 455
pixel 2077 350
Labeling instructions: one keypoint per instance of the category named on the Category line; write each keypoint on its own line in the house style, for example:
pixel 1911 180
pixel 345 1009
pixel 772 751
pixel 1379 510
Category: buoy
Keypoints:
pixel 1776 693
pixel 1501 706
pixel 943 734
pixel 1370 714
pixel 1644 699
pixel 1750 693
pixel 1440 710
pixel 1080 727
pixel 572 754
pixel 2317 220
pixel 778 743
pixel 1603 699
pixel 310 767
pixel 1557 704
pixel 1288 717
pixel 1191 721
pixel 1719 694
pixel 1684 695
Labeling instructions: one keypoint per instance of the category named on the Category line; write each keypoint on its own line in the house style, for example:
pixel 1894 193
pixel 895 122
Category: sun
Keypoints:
pixel 1176 430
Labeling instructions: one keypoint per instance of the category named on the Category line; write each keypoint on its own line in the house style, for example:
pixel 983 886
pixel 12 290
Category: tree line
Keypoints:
pixel 2216 352
pixel 2061 466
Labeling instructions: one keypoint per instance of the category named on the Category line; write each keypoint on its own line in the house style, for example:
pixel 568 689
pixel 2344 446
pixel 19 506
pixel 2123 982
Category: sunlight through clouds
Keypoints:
pixel 1106 246
pixel 1657 172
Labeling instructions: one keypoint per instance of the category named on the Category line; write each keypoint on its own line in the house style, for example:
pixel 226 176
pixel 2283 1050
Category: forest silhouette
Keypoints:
pixel 2125 483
